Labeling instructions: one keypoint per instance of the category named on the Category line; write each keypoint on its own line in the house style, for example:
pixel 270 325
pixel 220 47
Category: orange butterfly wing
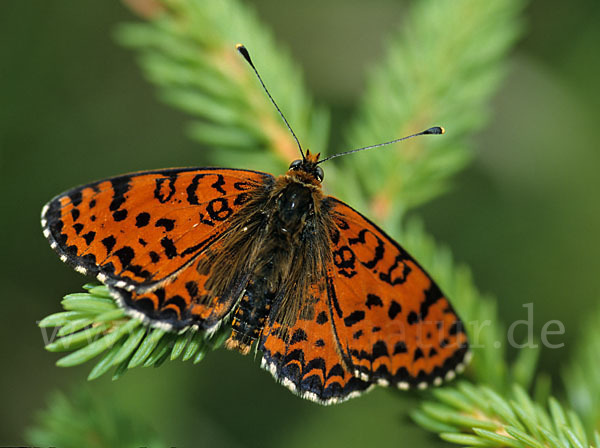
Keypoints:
pixel 392 323
pixel 141 232
pixel 307 361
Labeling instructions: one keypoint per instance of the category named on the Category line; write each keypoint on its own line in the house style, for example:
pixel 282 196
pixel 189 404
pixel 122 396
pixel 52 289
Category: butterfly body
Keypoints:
pixel 287 245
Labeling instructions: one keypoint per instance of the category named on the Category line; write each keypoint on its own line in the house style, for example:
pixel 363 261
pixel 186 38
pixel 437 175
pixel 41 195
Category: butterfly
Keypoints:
pixel 334 304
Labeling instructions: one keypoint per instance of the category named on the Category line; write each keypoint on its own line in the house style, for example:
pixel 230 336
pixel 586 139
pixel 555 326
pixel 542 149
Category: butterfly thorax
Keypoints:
pixel 288 239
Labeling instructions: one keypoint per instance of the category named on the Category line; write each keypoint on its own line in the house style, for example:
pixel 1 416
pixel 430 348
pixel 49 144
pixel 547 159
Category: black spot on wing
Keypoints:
pixel 377 253
pixel 397 273
pixel 456 327
pixel 336 370
pixel 125 255
pixel 432 295
pixel 298 336
pixel 109 243
pixel 139 271
pixel 120 185
pixel 218 209
pixel 373 300
pixel 120 215
pixel 418 354
pixel 167 224
pixel 399 348
pixel 316 363
pixel 169 246
pixel 179 302
pixel 218 185
pixel 154 257
pixel 192 197
pixel 344 259
pixel 192 288
pixel 165 187
pixel 322 318
pixel 354 317
pixel 412 318
pixel 379 349
pixel 75 197
pixel 142 219
pixel 89 237
pixel 294 355
pixel 394 309
pixel 241 199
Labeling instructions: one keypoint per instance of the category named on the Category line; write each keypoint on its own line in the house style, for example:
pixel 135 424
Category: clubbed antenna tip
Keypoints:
pixel 435 130
pixel 242 50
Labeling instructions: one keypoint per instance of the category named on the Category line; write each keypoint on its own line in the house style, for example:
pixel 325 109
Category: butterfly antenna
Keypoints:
pixel 436 130
pixel 244 52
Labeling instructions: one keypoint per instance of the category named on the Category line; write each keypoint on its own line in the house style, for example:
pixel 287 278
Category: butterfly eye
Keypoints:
pixel 295 164
pixel 319 173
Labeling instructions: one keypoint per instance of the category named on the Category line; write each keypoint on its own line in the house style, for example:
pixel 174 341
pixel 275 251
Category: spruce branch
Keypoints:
pixel 93 324
pixel 475 415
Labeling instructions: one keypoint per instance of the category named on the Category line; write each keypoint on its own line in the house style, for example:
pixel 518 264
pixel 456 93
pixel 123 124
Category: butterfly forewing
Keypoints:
pixel 392 323
pixel 143 233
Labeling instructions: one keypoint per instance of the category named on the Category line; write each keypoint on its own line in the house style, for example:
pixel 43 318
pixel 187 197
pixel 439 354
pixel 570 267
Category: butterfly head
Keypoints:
pixel 307 169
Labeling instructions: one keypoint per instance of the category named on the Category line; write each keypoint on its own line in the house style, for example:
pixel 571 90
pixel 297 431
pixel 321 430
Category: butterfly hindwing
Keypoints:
pixel 180 301
pixel 305 358
pixel 392 323
pixel 143 234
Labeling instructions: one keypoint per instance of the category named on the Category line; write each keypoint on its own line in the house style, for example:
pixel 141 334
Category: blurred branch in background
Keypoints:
pixel 442 68
pixel 188 51
pixel 81 420
pixel 478 311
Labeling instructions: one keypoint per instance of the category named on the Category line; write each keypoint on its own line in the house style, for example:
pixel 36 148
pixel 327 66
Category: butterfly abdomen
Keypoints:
pixel 250 315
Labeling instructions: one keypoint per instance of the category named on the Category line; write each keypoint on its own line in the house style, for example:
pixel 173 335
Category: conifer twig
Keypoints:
pixel 471 415
pixel 92 325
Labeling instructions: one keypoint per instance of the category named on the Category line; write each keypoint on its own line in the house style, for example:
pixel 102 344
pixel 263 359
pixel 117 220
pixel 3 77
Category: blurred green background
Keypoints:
pixel 74 108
